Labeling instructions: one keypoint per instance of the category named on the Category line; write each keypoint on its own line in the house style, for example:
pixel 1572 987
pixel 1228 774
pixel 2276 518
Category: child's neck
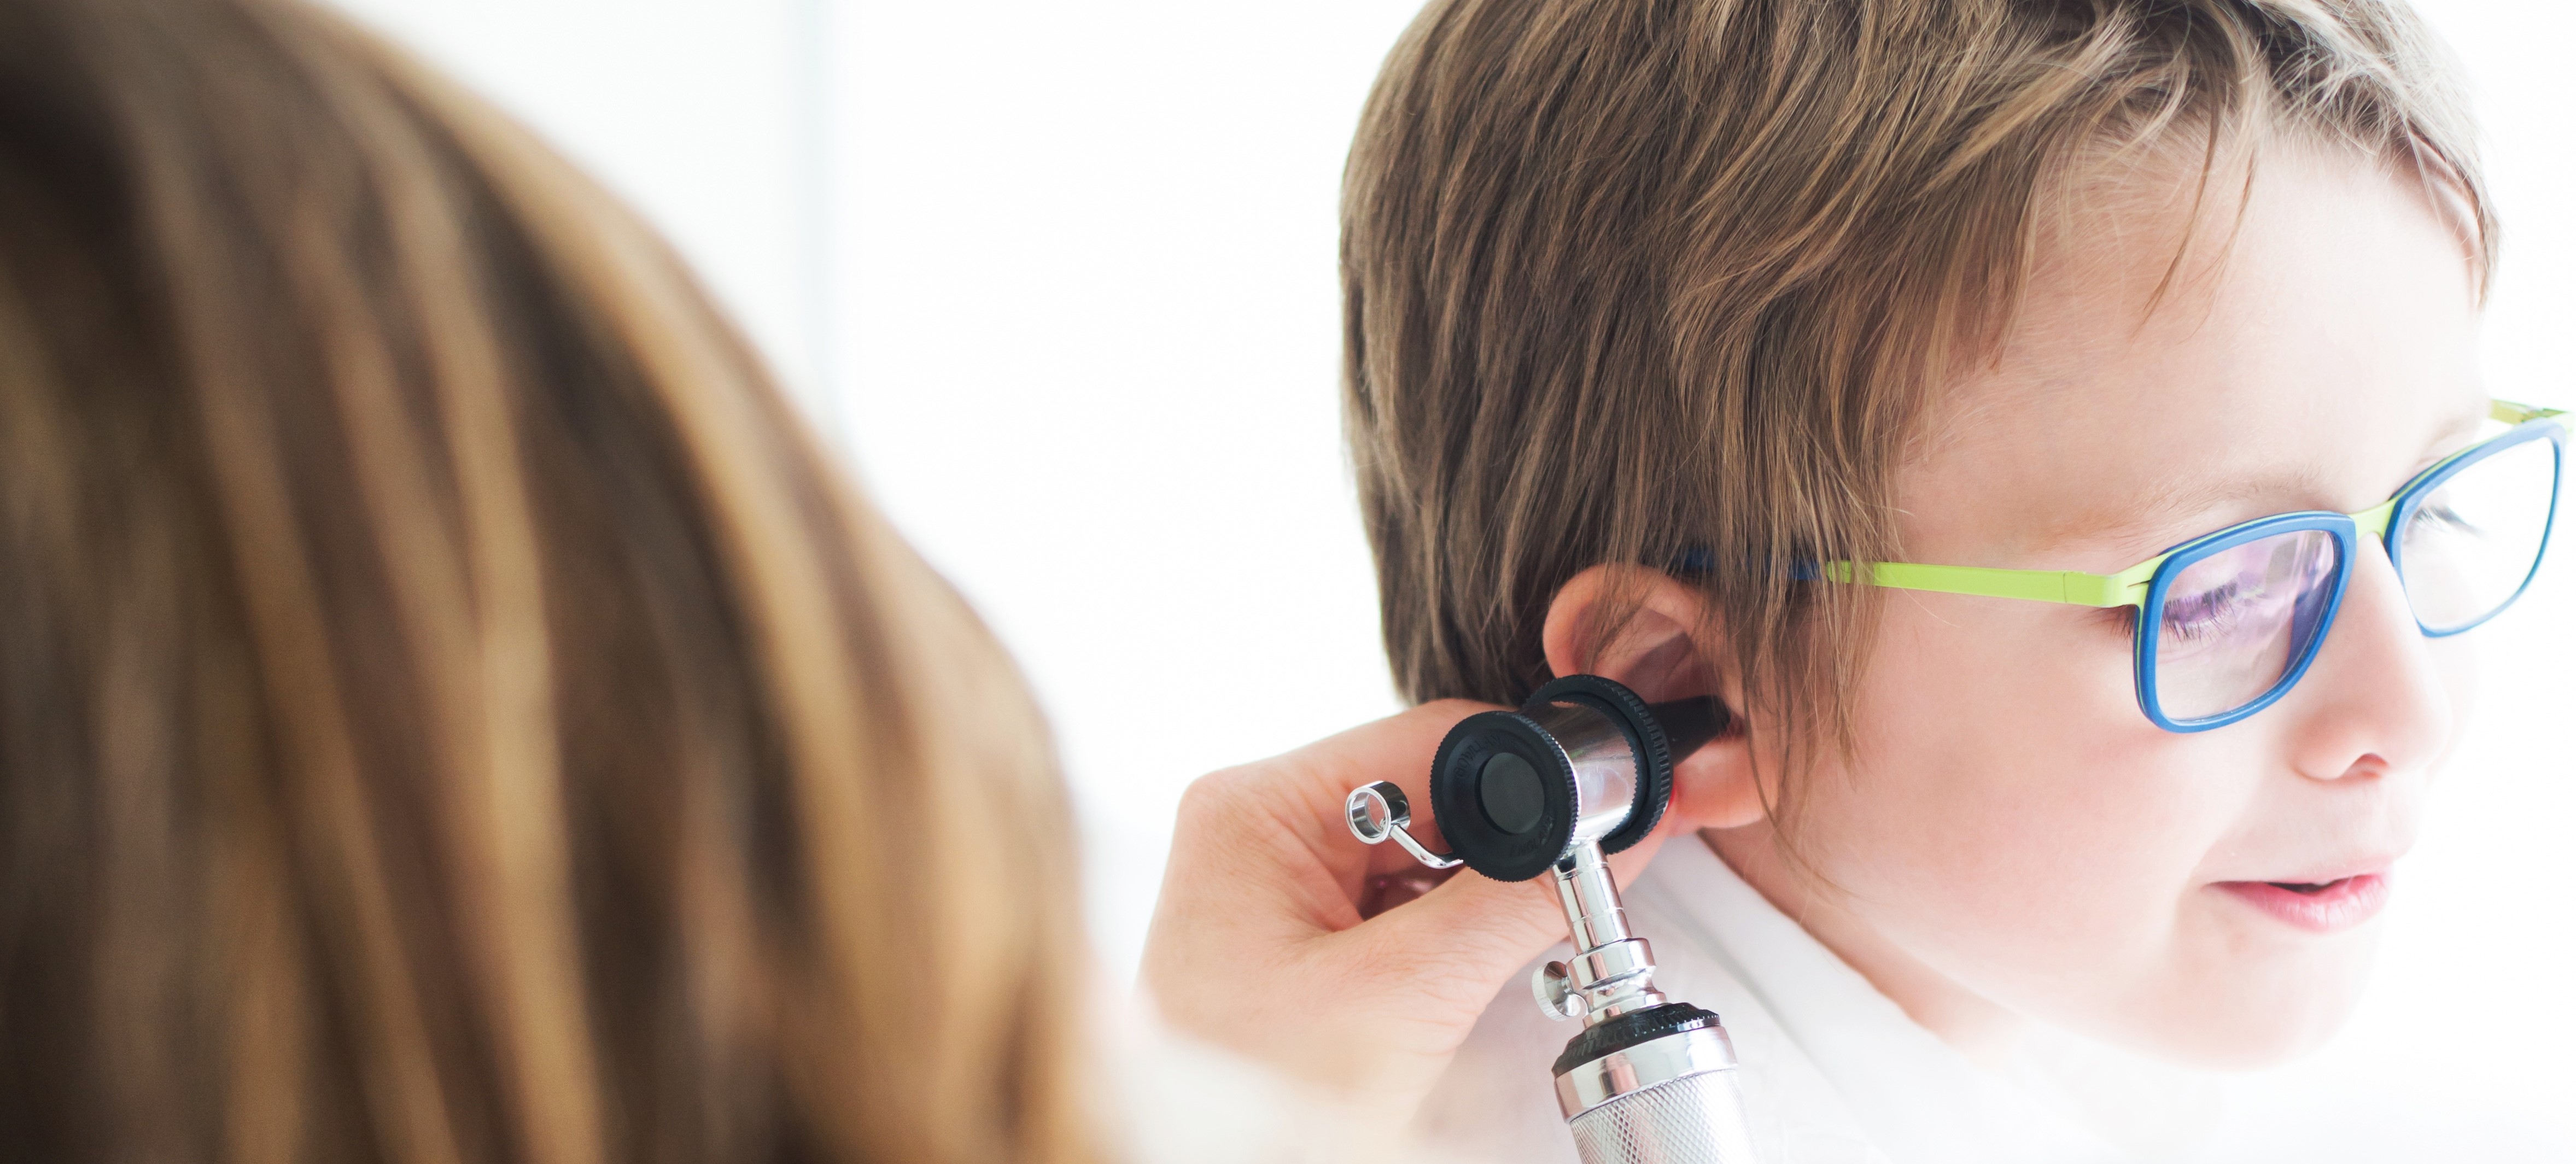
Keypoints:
pixel 1986 1033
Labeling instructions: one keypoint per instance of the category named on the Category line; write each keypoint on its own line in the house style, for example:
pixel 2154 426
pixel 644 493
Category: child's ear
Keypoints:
pixel 1663 650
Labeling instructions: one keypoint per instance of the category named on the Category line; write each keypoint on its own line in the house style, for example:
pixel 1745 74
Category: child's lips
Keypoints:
pixel 2317 907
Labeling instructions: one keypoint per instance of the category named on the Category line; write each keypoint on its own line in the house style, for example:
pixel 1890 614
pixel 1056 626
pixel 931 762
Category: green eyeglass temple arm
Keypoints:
pixel 2126 588
pixel 2512 413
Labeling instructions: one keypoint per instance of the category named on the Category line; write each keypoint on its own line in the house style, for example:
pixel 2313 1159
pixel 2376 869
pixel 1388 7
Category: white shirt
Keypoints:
pixel 1832 1071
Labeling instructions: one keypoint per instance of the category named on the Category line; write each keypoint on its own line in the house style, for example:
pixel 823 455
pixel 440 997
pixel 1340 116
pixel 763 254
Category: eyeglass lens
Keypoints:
pixel 2233 622
pixel 2472 541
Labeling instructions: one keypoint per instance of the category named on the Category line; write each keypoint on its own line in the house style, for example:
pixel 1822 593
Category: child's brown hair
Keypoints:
pixel 1664 281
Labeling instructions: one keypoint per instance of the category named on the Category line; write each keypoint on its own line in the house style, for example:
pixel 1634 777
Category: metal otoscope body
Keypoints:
pixel 1583 770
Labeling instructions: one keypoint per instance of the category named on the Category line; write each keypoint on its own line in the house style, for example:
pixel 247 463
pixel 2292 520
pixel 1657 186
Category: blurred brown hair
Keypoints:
pixel 449 707
pixel 1665 282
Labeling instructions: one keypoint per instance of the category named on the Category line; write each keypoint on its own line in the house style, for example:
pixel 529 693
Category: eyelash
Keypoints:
pixel 2203 616
pixel 2443 515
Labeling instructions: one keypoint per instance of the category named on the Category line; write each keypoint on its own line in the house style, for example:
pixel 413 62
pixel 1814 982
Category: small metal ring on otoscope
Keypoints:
pixel 1388 800
pixel 1391 811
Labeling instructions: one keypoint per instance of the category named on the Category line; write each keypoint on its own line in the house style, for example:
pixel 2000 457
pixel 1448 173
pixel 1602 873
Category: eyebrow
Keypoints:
pixel 2165 503
pixel 2462 426
pixel 2161 506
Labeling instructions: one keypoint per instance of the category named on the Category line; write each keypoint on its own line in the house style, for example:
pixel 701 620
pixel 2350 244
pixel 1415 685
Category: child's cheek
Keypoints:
pixel 2014 820
pixel 2456 659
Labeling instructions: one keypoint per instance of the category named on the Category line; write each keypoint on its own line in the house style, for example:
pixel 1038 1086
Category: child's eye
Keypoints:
pixel 2205 614
pixel 2437 513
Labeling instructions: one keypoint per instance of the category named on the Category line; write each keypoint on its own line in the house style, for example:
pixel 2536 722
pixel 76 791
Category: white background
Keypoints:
pixel 1060 279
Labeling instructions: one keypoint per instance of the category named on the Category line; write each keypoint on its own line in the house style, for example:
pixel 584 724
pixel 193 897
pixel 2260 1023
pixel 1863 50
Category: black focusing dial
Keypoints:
pixel 1583 760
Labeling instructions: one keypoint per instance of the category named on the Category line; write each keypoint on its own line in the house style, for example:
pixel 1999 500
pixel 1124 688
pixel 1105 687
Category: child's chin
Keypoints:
pixel 2262 1007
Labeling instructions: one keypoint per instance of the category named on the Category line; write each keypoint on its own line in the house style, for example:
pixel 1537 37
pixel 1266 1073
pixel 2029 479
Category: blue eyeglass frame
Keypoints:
pixel 2386 522
pixel 2547 426
pixel 2346 529
pixel 2143 586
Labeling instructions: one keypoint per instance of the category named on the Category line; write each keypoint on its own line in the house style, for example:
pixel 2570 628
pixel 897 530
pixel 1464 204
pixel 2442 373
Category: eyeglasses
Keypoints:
pixel 2228 623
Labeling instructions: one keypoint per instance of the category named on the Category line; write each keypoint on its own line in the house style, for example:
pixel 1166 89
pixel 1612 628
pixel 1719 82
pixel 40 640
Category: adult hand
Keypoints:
pixel 1280 935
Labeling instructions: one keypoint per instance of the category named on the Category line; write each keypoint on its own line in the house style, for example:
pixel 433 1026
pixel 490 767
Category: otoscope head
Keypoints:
pixel 1584 760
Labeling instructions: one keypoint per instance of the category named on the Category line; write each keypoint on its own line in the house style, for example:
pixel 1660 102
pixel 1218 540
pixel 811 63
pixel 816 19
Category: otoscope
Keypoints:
pixel 1585 769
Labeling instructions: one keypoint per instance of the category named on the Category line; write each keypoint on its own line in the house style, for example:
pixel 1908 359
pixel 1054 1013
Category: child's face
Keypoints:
pixel 2012 834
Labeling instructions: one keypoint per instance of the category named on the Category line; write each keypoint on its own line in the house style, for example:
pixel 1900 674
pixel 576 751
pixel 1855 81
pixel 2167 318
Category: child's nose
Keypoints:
pixel 2373 698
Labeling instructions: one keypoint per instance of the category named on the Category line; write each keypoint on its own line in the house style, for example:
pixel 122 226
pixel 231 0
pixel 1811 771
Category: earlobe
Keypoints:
pixel 1717 787
pixel 1643 628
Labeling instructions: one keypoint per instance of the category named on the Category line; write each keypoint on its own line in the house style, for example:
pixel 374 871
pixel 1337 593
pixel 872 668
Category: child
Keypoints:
pixel 1668 321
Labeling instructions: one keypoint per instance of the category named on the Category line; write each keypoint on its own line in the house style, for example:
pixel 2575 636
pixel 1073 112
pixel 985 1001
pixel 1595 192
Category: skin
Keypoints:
pixel 1277 935
pixel 2012 842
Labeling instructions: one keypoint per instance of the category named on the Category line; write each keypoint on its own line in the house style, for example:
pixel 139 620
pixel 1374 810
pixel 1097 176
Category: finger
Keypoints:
pixel 1283 819
pixel 1398 750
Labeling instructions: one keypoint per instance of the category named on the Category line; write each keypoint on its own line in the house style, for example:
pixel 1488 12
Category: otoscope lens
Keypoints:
pixel 1509 789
